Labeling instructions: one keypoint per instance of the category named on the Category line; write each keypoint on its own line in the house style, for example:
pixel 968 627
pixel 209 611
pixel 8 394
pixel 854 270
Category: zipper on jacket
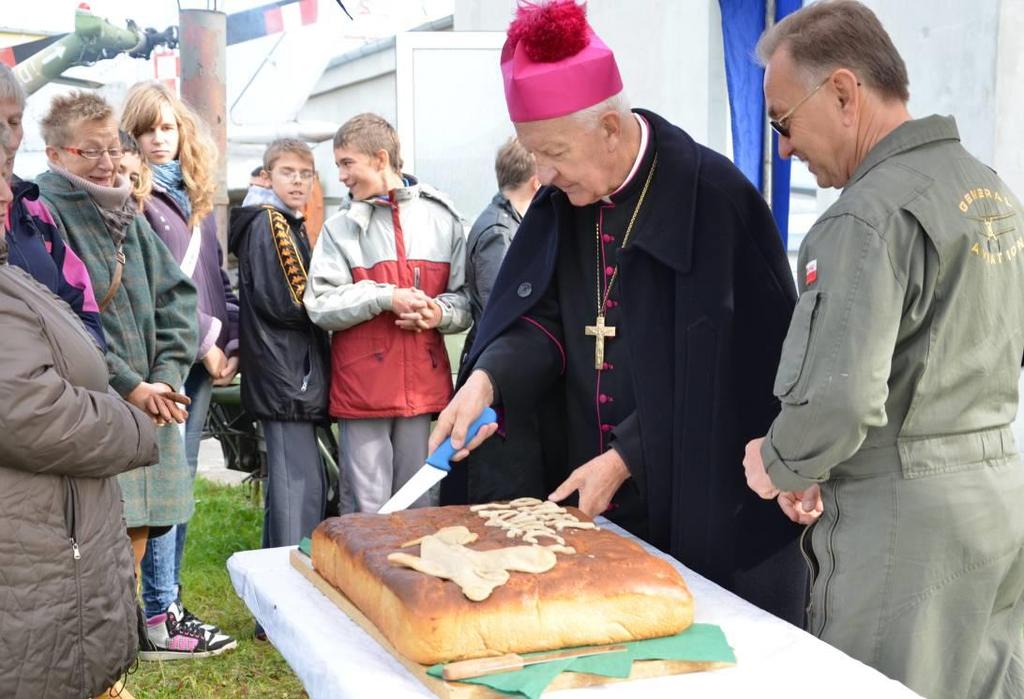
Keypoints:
pixel 812 567
pixel 308 366
pixel 396 223
pixel 70 506
pixel 70 521
pixel 830 547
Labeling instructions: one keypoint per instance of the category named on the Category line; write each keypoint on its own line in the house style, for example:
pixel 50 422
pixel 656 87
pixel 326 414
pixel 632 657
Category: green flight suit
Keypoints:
pixel 898 384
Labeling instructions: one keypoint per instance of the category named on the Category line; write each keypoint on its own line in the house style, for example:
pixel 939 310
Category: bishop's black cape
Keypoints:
pixel 708 295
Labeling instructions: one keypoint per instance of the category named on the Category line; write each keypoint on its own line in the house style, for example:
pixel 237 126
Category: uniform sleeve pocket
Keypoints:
pixel 794 349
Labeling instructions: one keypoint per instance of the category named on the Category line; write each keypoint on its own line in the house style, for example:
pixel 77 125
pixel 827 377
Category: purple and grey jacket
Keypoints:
pixel 218 305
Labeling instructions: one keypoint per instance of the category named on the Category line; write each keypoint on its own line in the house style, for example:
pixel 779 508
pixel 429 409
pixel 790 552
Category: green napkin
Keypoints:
pixel 699 643
pixel 306 546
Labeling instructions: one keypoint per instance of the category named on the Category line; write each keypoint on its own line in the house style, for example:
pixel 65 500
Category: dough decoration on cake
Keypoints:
pixel 445 555
pixel 530 518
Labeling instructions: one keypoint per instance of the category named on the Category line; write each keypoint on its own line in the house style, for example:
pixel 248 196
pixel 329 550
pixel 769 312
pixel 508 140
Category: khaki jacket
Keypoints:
pixel 898 384
pixel 67 591
pixel 906 342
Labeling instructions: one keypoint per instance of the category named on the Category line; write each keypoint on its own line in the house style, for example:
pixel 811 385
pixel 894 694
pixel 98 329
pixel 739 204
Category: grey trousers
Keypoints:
pixel 296 483
pixel 922 577
pixel 378 455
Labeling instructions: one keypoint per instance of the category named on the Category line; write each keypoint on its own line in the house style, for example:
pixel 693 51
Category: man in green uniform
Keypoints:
pixel 898 377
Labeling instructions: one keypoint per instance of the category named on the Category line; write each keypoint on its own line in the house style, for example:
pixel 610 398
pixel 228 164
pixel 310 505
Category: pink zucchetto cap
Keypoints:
pixel 554 64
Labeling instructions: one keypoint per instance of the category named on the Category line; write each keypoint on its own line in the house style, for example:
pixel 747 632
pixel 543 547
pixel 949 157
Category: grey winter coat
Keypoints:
pixel 67 591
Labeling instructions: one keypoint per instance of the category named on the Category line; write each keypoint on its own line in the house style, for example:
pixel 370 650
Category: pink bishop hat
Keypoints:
pixel 554 64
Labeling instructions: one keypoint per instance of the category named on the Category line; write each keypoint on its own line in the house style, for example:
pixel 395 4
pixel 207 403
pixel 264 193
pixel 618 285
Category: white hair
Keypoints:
pixel 10 88
pixel 5 136
pixel 590 116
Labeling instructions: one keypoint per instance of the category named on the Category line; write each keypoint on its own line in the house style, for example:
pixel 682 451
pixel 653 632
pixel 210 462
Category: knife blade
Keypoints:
pixel 438 466
pixel 478 667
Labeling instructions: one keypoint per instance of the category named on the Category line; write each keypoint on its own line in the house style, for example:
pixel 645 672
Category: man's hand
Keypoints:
pixel 803 507
pixel 757 477
pixel 409 300
pixel 227 374
pixel 597 480
pixel 465 407
pixel 214 361
pixel 160 402
pixel 426 318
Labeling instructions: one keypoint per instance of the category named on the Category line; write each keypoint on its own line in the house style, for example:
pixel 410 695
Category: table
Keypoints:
pixel 334 658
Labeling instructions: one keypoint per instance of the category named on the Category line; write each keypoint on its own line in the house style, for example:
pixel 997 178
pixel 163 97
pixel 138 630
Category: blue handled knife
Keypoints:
pixel 437 467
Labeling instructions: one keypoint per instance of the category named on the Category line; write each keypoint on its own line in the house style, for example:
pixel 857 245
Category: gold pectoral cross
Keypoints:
pixel 599 331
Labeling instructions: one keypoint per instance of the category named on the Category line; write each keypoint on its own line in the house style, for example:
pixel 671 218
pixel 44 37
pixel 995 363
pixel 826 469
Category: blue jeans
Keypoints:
pixel 161 566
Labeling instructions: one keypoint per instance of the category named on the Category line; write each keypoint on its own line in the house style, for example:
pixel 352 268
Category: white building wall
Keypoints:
pixel 1009 105
pixel 951 50
pixel 338 104
pixel 670 56
pixel 366 84
pixel 1009 101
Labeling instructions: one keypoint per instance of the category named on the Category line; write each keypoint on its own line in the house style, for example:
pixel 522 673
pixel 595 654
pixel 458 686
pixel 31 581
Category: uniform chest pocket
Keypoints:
pixel 788 386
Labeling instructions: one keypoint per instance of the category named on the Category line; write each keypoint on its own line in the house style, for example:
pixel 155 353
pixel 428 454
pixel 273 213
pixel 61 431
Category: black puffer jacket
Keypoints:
pixel 284 358
pixel 67 587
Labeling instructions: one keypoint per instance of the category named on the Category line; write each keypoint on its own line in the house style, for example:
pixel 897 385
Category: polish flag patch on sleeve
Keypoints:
pixel 811 272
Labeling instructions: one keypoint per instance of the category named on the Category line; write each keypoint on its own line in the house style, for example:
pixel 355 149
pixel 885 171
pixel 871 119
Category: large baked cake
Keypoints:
pixel 449 583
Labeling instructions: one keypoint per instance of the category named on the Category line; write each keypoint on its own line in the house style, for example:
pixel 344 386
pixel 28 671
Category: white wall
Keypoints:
pixel 1009 136
pixel 451 112
pixel 950 48
pixel 670 56
pixel 1009 102
pixel 366 84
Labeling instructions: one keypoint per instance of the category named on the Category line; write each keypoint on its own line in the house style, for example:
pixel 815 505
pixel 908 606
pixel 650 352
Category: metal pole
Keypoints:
pixel 203 36
pixel 766 152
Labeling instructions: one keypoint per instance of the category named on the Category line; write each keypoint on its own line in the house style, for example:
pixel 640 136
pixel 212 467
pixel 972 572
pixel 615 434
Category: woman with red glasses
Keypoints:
pixel 147 305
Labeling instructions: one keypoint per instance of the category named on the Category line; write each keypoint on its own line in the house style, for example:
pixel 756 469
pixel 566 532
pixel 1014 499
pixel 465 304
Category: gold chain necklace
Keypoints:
pixel 599 331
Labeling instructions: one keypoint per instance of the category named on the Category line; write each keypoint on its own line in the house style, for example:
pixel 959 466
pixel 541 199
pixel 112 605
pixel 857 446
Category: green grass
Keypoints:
pixel 226 520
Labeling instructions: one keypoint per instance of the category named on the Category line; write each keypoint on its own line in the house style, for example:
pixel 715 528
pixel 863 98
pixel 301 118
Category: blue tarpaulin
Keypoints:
pixel 743 21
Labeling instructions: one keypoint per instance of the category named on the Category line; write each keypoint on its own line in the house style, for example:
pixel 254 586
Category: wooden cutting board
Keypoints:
pixel 463 690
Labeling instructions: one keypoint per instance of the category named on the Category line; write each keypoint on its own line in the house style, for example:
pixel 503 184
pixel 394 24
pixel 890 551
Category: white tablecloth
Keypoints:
pixel 335 658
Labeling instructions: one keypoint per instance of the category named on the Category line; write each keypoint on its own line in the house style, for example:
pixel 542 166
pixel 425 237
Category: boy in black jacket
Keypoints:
pixel 284 358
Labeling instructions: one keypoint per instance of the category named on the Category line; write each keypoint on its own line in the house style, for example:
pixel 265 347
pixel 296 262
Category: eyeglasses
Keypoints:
pixel 781 125
pixel 95 153
pixel 289 174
